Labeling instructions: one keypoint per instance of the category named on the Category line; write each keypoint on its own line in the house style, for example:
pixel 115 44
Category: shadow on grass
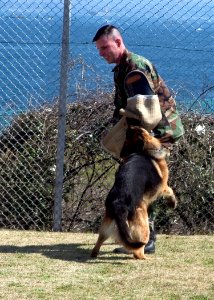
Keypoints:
pixel 67 252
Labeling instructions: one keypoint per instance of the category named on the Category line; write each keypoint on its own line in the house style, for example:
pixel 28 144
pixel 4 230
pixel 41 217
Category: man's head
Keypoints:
pixel 109 43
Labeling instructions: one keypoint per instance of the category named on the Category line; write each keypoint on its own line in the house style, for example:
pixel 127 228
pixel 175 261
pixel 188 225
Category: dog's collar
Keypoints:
pixel 155 153
pixel 161 150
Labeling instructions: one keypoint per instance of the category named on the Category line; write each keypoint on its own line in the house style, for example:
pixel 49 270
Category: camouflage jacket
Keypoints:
pixel 170 128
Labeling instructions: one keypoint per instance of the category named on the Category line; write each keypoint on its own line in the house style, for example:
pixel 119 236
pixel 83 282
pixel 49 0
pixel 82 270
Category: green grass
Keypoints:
pixel 48 265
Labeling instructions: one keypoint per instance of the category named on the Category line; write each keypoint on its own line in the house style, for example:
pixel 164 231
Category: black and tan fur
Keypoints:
pixel 140 141
pixel 138 182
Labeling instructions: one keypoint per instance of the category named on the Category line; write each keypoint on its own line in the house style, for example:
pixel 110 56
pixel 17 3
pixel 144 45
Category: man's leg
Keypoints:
pixel 150 246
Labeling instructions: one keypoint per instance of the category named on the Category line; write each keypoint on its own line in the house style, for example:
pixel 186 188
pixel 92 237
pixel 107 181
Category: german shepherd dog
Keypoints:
pixel 139 181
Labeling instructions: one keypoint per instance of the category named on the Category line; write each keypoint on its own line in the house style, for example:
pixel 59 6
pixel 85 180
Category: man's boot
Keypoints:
pixel 150 246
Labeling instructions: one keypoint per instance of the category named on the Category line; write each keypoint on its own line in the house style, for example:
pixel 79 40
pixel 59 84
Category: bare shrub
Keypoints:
pixel 89 171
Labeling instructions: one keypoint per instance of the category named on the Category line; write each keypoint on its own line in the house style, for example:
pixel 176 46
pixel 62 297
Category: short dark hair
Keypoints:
pixel 104 30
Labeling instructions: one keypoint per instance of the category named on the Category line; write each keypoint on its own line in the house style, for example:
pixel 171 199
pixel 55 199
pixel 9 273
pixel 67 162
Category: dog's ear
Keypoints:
pixel 146 136
pixel 135 133
pixel 150 142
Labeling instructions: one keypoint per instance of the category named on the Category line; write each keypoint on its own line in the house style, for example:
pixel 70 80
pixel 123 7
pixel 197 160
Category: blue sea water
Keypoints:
pixel 30 52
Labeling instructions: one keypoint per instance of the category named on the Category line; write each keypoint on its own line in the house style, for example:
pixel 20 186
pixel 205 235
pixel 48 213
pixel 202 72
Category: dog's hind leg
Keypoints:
pixel 139 227
pixel 105 232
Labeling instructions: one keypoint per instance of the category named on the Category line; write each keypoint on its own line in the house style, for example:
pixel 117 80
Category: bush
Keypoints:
pixel 27 158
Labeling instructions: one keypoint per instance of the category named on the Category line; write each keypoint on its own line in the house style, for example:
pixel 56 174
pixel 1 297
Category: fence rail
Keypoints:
pixel 39 80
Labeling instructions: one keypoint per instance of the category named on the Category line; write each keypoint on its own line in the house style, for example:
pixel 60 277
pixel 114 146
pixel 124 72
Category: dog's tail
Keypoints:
pixel 121 214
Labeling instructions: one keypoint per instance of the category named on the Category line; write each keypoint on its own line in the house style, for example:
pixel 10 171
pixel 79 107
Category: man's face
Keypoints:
pixel 109 49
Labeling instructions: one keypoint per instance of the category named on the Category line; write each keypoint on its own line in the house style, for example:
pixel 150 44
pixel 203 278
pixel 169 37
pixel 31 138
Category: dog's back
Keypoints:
pixel 134 178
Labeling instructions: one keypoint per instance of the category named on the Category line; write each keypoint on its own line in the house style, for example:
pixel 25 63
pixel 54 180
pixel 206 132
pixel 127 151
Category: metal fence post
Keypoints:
pixel 57 222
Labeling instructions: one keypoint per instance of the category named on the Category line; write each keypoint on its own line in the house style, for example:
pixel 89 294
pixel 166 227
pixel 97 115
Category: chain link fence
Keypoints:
pixel 46 183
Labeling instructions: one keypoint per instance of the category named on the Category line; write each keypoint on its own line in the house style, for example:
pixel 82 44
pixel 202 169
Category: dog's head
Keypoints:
pixel 139 140
pixel 134 141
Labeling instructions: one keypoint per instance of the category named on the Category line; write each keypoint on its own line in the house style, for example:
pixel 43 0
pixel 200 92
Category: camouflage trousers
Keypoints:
pixel 152 216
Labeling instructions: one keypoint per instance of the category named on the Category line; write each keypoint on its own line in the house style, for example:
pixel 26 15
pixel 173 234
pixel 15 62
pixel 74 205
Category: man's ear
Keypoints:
pixel 118 42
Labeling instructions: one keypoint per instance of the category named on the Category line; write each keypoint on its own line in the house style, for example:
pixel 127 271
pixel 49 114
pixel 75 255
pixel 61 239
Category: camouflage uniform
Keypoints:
pixel 170 128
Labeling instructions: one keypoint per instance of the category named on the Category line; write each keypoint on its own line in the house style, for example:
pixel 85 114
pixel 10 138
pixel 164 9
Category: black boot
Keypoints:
pixel 150 246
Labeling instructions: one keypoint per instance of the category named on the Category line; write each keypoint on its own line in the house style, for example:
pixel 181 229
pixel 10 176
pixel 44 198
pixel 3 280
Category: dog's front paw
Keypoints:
pixel 169 195
pixel 172 202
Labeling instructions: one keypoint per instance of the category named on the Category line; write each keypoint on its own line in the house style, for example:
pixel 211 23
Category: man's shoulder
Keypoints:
pixel 140 60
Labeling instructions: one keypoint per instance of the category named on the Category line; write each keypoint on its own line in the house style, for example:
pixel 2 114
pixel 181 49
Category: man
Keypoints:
pixel 136 75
